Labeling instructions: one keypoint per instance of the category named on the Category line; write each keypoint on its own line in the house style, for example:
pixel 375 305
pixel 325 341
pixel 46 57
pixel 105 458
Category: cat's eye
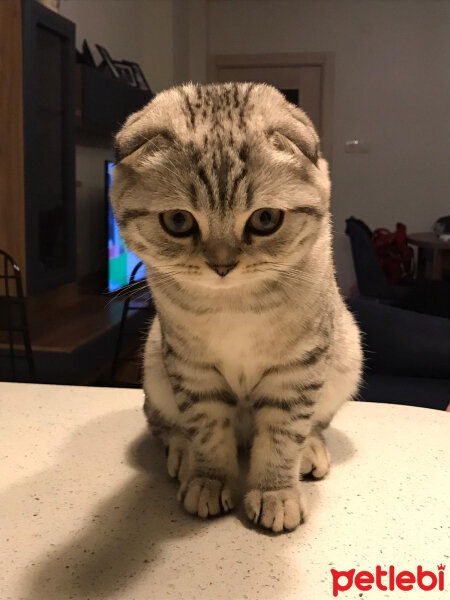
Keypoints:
pixel 265 221
pixel 179 223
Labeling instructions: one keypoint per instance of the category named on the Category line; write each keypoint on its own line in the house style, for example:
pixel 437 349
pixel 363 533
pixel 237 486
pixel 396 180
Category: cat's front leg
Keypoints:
pixel 208 486
pixel 282 425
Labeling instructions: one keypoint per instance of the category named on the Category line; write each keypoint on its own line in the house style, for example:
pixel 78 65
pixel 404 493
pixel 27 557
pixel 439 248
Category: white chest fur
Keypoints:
pixel 236 342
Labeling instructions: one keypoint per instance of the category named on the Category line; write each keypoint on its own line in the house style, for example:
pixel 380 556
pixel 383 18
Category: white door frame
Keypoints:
pixel 324 60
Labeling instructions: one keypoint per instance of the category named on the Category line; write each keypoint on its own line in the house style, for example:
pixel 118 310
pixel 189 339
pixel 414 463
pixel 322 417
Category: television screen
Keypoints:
pixel 121 261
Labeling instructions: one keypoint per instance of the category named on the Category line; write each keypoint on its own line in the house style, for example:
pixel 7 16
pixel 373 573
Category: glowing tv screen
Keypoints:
pixel 121 261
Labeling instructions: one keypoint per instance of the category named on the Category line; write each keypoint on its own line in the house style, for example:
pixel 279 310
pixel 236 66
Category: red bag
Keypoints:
pixel 394 254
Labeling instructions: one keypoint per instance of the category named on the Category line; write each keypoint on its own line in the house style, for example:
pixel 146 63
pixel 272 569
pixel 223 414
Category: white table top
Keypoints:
pixel 88 512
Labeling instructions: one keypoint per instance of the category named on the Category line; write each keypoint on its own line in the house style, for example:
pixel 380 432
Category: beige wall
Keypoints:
pixel 157 50
pixel 154 33
pixel 392 90
pixel 114 24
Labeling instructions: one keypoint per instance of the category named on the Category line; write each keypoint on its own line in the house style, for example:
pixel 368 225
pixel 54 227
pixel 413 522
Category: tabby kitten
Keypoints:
pixel 223 193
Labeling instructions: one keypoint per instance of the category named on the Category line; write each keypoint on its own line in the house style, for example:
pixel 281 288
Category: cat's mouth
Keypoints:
pixel 240 278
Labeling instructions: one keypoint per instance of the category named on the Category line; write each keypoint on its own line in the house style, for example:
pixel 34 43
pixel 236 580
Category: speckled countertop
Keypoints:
pixel 88 512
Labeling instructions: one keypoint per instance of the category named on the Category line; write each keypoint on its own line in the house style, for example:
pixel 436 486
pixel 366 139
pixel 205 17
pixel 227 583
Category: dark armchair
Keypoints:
pixel 406 355
pixel 406 331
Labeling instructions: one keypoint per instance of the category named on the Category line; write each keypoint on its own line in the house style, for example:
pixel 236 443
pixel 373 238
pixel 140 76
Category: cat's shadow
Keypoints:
pixel 123 536
pixel 127 529
pixel 340 446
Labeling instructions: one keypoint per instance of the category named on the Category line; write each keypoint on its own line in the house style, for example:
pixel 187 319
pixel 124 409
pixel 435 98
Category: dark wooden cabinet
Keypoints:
pixel 48 43
pixel 44 99
pixel 37 143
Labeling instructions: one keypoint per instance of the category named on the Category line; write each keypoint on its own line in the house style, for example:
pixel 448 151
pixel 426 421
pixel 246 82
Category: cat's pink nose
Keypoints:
pixel 222 270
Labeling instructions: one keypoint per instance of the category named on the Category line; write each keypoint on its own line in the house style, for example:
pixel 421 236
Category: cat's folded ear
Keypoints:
pixel 139 136
pixel 296 137
pixel 288 140
pixel 302 134
pixel 291 130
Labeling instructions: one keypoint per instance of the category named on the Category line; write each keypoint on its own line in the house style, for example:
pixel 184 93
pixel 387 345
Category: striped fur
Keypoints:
pixel 266 355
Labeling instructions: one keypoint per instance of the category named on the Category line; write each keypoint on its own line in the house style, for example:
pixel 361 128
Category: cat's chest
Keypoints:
pixel 237 344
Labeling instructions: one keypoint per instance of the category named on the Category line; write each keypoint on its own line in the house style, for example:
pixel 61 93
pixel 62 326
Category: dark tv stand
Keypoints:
pixel 74 330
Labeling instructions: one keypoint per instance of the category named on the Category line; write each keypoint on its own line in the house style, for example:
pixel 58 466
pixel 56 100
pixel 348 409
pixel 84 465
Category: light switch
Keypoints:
pixel 356 147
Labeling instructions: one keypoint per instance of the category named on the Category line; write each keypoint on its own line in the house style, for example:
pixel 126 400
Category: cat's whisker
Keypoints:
pixel 293 271
pixel 141 285
pixel 124 289
pixel 292 275
pixel 123 294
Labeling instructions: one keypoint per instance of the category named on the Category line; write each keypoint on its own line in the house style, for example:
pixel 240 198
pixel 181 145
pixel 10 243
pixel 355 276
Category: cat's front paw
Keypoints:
pixel 277 510
pixel 315 459
pixel 207 497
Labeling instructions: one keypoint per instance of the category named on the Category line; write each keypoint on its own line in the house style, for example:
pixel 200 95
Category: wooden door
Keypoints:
pixel 304 79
